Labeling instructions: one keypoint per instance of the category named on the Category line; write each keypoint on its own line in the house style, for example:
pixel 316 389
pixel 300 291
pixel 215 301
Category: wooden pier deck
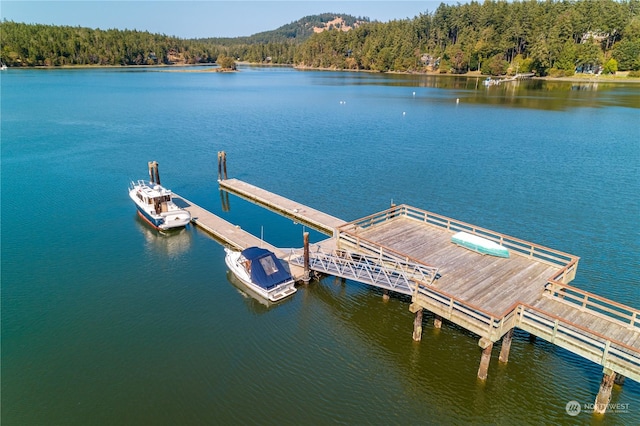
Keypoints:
pixel 493 283
pixel 484 294
pixel 491 295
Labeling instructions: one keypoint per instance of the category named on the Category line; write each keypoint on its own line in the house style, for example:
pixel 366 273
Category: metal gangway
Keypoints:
pixel 382 270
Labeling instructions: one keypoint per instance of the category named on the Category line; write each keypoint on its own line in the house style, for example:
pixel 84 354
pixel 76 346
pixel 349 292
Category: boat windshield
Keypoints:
pixel 268 265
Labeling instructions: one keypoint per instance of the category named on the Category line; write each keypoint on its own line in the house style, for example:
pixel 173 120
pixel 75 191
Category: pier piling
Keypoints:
pixel 604 394
pixel 385 295
pixel 306 276
pixel 486 346
pixel 417 321
pixel 222 165
pixel 437 321
pixel 506 346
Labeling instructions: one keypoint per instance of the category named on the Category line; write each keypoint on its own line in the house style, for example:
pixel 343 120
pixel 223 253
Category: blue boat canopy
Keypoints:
pixel 266 269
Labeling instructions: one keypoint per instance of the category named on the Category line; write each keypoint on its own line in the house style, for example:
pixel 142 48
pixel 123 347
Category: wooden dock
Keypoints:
pixel 409 250
pixel 229 234
pixel 306 215
pixel 490 296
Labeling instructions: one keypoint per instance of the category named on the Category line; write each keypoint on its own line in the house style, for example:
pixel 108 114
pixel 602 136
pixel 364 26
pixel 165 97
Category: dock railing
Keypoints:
pixel 347 239
pixel 378 270
pixel 590 344
pixel 598 305
pixel 473 318
pixel 603 350
pixel 516 245
pixel 599 348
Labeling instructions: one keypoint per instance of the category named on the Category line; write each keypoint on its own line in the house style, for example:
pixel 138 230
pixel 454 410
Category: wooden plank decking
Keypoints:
pixel 490 295
pixel 484 294
pixel 492 283
pixel 228 233
pixel 316 219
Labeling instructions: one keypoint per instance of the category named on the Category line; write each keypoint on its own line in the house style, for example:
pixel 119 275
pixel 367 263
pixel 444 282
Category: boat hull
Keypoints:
pixel 279 292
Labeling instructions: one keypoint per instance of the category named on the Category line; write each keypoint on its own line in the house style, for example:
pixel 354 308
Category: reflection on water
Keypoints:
pixel 256 303
pixel 534 93
pixel 592 85
pixel 173 242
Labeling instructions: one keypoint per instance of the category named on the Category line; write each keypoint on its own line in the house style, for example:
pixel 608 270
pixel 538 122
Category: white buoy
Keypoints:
pixel 457 100
pixel 403 113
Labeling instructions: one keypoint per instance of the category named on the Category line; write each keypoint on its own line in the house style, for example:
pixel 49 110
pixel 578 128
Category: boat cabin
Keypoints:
pixel 157 196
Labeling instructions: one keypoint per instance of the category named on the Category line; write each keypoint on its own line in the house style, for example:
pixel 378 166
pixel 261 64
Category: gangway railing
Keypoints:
pixel 381 271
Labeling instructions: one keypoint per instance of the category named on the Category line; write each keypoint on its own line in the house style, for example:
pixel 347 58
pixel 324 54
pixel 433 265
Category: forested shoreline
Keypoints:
pixel 555 38
pixel 496 37
pixel 29 45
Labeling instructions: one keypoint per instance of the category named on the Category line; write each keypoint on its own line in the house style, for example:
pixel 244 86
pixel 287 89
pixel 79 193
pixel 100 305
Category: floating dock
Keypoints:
pixel 409 251
pixel 306 215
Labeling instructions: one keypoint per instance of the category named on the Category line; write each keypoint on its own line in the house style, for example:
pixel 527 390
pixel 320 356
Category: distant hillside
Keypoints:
pixel 297 31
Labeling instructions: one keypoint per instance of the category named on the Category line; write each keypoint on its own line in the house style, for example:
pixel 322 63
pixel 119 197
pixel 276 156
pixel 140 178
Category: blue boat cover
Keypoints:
pixel 266 269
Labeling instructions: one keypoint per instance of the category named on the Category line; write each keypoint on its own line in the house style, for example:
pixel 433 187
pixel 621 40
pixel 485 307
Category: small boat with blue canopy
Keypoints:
pixel 261 271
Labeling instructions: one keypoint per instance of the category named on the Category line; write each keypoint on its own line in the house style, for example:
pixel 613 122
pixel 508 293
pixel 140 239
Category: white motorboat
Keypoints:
pixel 155 204
pixel 261 271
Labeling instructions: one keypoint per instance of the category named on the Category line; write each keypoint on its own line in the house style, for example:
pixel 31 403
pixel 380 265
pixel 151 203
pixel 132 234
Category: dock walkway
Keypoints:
pixel 230 234
pixel 306 215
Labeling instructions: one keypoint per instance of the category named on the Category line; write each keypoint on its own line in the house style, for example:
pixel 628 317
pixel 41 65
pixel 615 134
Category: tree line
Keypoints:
pixel 49 45
pixel 494 37
pixel 548 37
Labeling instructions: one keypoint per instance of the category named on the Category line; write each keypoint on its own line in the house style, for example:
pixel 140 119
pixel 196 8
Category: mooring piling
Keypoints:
pixel 154 173
pixel 222 165
pixel 306 275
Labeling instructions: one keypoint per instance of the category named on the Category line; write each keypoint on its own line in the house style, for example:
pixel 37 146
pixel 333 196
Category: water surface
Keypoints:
pixel 105 321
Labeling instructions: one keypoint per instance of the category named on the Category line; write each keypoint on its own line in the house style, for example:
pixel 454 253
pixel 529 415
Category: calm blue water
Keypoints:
pixel 107 322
